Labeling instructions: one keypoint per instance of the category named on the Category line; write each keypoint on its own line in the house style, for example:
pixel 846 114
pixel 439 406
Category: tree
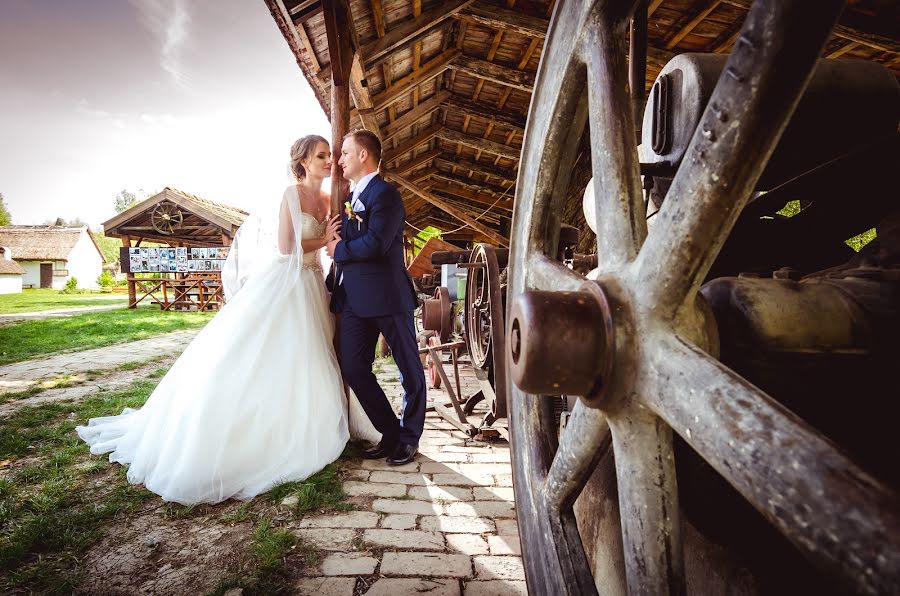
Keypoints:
pixel 108 246
pixel 124 201
pixel 5 215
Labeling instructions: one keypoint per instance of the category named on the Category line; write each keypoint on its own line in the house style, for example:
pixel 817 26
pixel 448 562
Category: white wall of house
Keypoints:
pixel 85 263
pixel 32 277
pixel 10 283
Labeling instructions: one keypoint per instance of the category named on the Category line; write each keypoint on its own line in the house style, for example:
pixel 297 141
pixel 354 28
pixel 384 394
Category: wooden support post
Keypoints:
pixel 132 291
pixel 337 29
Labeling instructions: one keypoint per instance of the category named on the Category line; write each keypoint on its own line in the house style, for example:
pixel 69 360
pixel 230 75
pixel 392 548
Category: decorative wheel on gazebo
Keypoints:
pixel 166 218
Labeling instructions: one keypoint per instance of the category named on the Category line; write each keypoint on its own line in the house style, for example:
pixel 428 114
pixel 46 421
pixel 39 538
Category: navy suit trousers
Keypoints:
pixel 359 336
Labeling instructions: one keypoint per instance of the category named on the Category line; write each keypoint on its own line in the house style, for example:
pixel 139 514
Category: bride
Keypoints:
pixel 257 398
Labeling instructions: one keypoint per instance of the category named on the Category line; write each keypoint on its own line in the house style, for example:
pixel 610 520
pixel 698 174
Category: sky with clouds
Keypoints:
pixel 97 96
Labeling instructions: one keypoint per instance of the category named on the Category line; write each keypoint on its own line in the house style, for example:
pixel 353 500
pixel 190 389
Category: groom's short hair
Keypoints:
pixel 368 140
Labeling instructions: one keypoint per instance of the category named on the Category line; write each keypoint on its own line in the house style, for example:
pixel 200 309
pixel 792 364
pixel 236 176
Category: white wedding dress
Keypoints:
pixel 255 400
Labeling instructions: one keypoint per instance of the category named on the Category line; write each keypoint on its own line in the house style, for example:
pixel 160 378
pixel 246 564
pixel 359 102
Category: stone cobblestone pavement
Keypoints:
pixel 442 525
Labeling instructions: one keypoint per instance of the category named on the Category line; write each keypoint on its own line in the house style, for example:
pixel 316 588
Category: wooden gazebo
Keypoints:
pixel 184 222
pixel 447 86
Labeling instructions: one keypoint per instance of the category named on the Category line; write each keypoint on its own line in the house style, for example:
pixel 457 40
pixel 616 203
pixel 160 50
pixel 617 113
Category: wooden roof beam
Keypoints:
pixel 414 115
pixel 478 185
pixel 488 169
pixel 488 71
pixel 478 143
pixel 504 118
pixel 504 19
pixel 411 144
pixel 406 33
pixel 402 86
pixel 418 161
pixel 450 209
pixel 305 10
pixel 474 196
pixel 880 34
pixel 702 11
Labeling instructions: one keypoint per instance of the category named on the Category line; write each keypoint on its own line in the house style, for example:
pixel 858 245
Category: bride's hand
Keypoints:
pixel 334 226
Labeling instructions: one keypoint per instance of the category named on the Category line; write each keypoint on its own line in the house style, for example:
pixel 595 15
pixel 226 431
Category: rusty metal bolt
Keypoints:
pixel 558 342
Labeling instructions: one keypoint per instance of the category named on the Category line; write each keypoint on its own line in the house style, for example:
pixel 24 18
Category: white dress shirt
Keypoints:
pixel 355 203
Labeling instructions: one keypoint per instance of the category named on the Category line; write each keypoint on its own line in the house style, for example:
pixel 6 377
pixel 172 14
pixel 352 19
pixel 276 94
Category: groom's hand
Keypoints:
pixel 329 248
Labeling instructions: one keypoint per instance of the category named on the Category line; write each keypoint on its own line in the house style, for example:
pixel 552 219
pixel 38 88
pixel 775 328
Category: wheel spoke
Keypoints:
pixel 753 100
pixel 545 273
pixel 771 456
pixel 648 503
pixel 618 204
pixel 584 442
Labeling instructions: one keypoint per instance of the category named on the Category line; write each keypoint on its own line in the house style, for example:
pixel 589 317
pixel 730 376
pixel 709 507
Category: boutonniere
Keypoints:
pixel 348 210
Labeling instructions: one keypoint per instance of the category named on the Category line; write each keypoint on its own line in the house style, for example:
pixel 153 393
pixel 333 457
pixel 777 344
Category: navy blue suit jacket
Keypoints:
pixel 370 257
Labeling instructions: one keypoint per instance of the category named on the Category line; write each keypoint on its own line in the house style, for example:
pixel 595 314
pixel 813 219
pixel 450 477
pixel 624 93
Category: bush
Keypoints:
pixel 71 286
pixel 106 280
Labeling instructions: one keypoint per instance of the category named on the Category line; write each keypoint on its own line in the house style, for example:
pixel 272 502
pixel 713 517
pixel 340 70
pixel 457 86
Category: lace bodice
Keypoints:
pixel 312 229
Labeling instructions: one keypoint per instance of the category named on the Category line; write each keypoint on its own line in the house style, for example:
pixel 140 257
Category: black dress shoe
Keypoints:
pixel 381 450
pixel 403 454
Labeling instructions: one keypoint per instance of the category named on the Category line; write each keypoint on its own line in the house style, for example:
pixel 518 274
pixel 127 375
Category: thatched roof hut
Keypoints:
pixel 44 243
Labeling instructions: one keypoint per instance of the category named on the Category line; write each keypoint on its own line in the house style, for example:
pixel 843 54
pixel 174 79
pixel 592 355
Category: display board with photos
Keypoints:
pixel 151 259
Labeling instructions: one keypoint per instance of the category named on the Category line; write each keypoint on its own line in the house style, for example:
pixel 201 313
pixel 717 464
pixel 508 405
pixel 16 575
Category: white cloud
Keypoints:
pixel 169 22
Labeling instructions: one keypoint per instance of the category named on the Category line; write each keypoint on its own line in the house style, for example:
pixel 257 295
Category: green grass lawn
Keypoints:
pixel 30 339
pixel 63 500
pixel 37 300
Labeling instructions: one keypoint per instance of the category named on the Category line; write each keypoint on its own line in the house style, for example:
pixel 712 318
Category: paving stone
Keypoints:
pixel 327 538
pixel 503 480
pixel 466 449
pixel 462 480
pixel 431 564
pixel 325 586
pixel 357 474
pixel 373 489
pixel 489 567
pixel 496 587
pixel 481 509
pixel 507 527
pixel 441 493
pixel 441 456
pixel 411 478
pixel 352 519
pixel 407 506
pixel 467 544
pixel 493 493
pixel 349 564
pixel 493 457
pixel 467 469
pixel 396 521
pixel 404 539
pixel 463 525
pixel 505 545
pixel 444 440
pixel 381 464
pixel 414 587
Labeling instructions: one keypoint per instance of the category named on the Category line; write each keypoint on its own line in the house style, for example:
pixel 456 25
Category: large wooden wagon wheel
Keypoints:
pixel 166 217
pixel 637 342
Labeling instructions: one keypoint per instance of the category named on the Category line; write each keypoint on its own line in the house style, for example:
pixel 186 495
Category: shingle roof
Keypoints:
pixel 232 214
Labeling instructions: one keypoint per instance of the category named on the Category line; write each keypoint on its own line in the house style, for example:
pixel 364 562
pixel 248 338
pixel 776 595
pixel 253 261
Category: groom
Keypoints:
pixel 372 290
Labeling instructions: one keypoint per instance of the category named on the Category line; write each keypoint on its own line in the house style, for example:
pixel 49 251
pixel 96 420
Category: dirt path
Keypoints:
pixel 9 319
pixel 74 366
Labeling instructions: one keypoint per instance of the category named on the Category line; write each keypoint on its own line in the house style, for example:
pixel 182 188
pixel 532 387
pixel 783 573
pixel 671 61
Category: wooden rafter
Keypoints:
pixel 487 169
pixel 504 19
pixel 702 12
pixel 411 144
pixel 479 110
pixel 471 195
pixel 400 36
pixel 447 208
pixel 401 87
pixel 489 71
pixel 478 143
pixel 473 183
pixel 412 116
pixel 418 161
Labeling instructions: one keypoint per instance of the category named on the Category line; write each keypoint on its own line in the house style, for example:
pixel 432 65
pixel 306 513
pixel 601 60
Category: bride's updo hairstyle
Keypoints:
pixel 300 151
